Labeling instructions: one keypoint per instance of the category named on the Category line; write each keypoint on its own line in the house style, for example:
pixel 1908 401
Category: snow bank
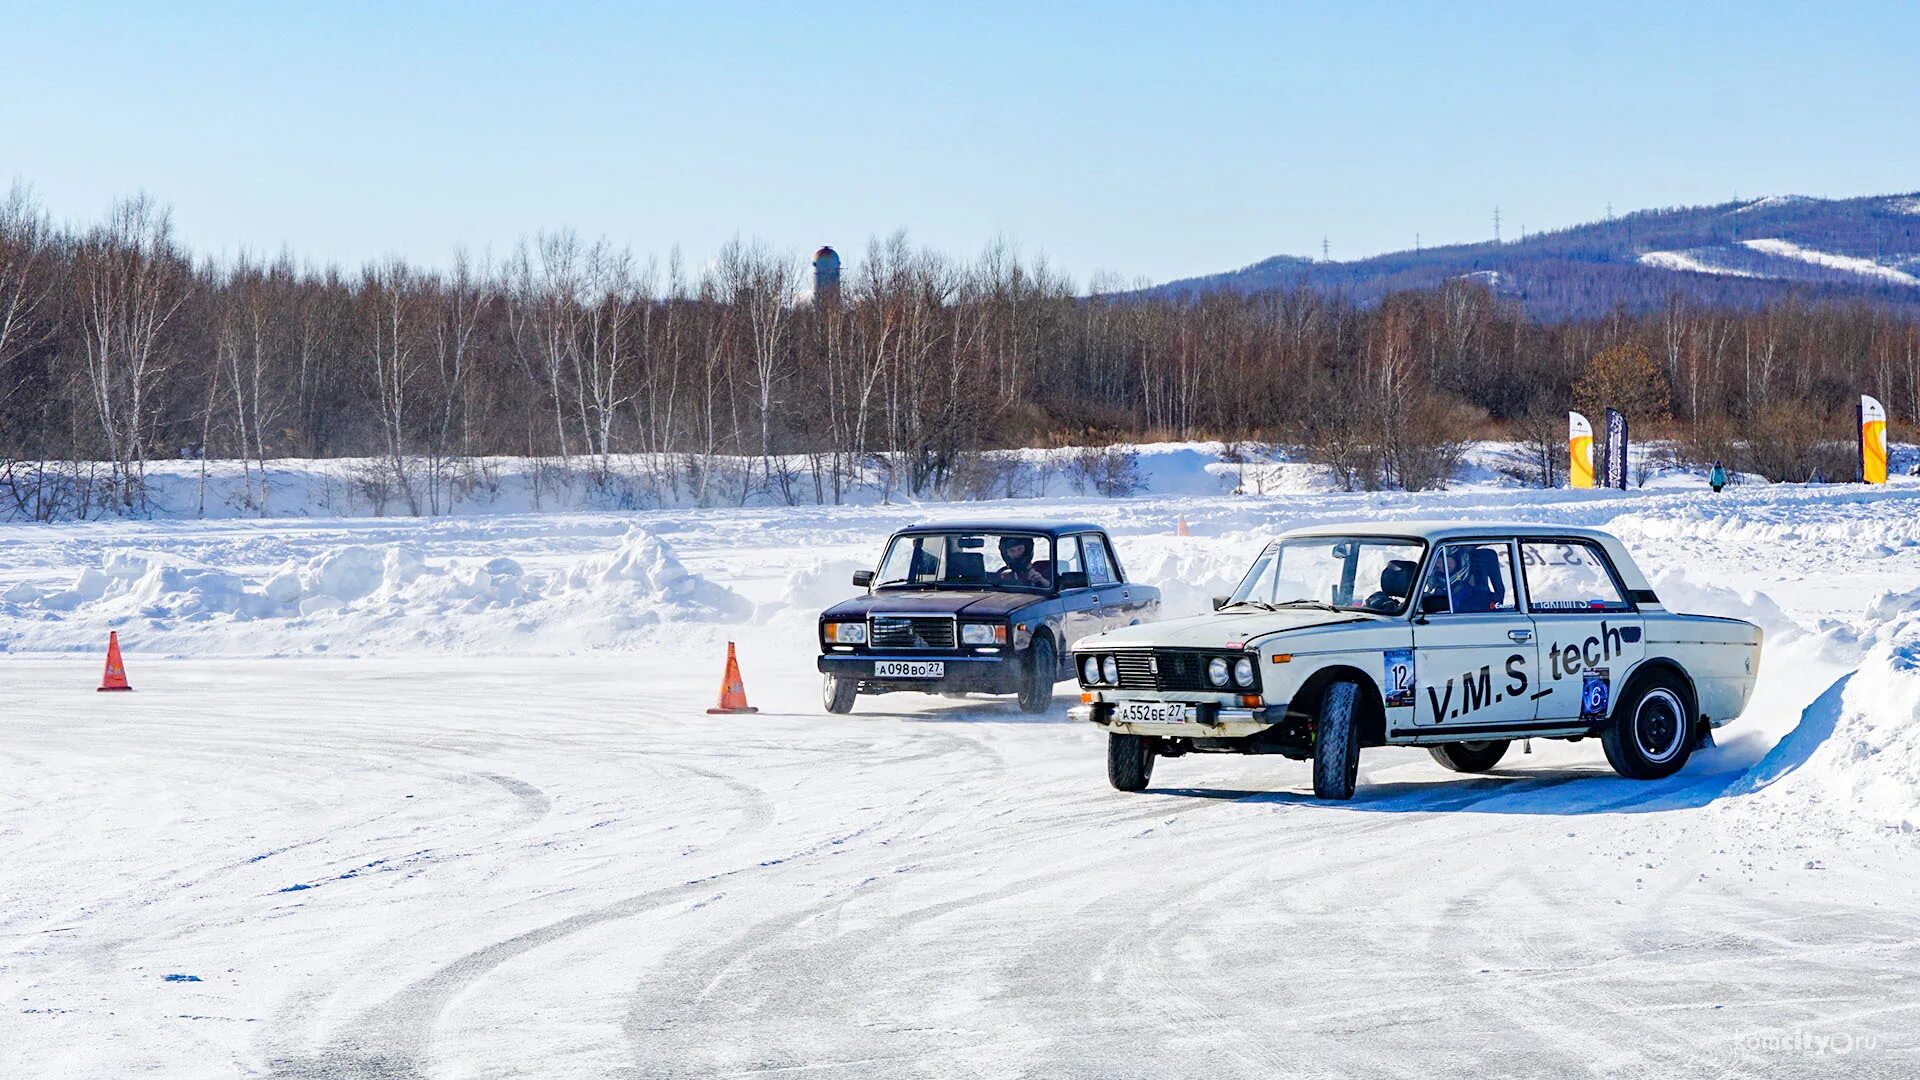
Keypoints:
pixel 1190 572
pixel 1856 751
pixel 1679 592
pixel 822 583
pixel 370 597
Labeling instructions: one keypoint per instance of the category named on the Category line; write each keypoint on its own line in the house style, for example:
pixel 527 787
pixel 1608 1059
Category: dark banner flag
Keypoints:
pixel 1615 475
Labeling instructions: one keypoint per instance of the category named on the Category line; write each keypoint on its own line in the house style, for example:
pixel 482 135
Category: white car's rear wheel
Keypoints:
pixel 1651 732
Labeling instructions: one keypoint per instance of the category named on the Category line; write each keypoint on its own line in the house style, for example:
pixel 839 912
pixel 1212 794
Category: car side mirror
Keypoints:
pixel 1219 602
pixel 1433 603
pixel 863 578
pixel 1072 579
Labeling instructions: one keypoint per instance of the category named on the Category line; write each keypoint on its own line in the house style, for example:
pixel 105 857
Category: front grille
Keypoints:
pixel 911 632
pixel 1175 671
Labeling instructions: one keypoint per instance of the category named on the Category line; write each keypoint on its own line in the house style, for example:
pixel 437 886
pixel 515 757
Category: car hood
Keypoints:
pixel 980 604
pixel 1220 630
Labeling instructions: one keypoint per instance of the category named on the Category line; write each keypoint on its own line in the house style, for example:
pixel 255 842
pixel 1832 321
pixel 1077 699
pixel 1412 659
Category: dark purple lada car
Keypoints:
pixel 987 607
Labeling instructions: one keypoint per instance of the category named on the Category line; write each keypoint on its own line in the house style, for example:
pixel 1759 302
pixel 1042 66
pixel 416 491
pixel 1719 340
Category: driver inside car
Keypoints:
pixel 1465 590
pixel 1017 553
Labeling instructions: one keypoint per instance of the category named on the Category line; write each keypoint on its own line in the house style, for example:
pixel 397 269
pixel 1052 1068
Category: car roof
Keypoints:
pixel 1043 528
pixel 1447 530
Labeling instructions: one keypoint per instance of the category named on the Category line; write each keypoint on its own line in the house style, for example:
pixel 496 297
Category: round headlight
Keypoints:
pixel 1217 671
pixel 1111 669
pixel 1243 671
pixel 1090 671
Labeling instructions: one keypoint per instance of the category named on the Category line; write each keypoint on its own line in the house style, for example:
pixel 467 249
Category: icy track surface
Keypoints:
pixel 406 799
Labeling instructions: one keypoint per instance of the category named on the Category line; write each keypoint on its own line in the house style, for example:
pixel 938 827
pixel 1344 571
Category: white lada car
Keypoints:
pixel 1457 638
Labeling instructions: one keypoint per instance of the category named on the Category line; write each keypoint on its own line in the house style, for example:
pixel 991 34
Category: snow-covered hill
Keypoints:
pixel 1737 253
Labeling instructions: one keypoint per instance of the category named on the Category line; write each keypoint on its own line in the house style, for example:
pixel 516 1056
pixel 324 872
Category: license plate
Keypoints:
pixel 1150 712
pixel 909 669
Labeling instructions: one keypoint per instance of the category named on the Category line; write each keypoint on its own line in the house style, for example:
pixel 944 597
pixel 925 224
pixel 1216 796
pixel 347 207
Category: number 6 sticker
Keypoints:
pixel 1399 677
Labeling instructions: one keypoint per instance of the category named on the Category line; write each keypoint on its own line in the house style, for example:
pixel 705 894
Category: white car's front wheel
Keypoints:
pixel 1336 743
pixel 1129 761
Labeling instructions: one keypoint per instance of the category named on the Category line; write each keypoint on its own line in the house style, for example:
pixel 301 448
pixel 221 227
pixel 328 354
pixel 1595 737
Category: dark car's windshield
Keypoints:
pixel 970 560
pixel 1363 573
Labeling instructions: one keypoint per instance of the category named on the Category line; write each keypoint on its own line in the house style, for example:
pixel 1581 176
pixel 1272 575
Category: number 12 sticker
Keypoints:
pixel 1399 677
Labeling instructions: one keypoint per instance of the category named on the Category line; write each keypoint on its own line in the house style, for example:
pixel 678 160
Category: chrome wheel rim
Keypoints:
pixel 1659 725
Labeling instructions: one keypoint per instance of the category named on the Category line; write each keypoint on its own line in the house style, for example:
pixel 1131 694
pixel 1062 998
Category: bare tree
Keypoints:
pixel 131 281
pixel 391 295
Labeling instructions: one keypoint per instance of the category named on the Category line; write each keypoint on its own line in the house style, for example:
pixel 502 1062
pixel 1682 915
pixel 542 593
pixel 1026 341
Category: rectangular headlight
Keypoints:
pixel 974 633
pixel 847 633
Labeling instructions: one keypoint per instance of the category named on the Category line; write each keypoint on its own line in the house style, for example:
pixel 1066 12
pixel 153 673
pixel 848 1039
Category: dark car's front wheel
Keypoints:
pixel 837 693
pixel 1043 669
pixel 1470 757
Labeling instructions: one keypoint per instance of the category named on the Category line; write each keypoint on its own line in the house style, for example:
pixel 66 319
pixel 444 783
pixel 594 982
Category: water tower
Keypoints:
pixel 826 276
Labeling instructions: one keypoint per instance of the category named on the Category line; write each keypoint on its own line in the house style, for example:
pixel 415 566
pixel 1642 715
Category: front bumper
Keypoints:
pixel 1004 673
pixel 1204 721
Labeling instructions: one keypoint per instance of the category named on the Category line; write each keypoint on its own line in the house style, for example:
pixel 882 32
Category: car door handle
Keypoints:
pixel 1096 598
pixel 1520 635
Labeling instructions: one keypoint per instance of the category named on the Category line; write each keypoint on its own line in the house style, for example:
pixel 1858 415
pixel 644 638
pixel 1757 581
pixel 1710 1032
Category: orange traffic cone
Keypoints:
pixel 733 692
pixel 1180 527
pixel 116 676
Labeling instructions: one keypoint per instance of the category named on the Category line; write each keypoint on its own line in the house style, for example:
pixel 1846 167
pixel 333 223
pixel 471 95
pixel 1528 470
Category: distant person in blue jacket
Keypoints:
pixel 1717 479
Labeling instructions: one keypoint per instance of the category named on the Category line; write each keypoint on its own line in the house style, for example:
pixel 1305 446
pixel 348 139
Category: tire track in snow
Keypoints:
pixel 395 1039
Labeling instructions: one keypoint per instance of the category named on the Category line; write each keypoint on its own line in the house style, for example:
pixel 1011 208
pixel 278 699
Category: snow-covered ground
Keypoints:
pixel 439 798
pixel 489 487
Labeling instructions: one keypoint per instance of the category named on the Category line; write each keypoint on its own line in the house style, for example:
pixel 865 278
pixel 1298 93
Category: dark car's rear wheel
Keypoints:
pixel 1470 756
pixel 837 693
pixel 1129 761
pixel 1043 670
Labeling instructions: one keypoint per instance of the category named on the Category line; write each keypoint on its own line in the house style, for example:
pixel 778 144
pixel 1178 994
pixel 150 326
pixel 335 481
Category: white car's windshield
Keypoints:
pixel 967 560
pixel 1355 573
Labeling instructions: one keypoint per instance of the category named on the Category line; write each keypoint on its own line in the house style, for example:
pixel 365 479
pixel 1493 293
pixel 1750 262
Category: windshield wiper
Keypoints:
pixel 1321 604
pixel 1261 604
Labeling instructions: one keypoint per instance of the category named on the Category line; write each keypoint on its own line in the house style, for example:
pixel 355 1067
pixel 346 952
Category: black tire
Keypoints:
pixel 1043 670
pixel 1336 743
pixel 1651 732
pixel 1470 756
pixel 1129 761
pixel 837 693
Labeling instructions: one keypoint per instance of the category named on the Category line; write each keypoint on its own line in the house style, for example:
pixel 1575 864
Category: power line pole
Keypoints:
pixel 1496 224
pixel 1416 243
pixel 1323 250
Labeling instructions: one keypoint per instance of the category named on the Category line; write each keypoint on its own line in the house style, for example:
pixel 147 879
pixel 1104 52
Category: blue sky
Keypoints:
pixel 1144 140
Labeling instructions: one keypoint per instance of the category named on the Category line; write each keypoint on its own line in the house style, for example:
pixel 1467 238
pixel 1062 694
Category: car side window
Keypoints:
pixel 1067 558
pixel 1569 575
pixel 1099 564
pixel 1469 579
